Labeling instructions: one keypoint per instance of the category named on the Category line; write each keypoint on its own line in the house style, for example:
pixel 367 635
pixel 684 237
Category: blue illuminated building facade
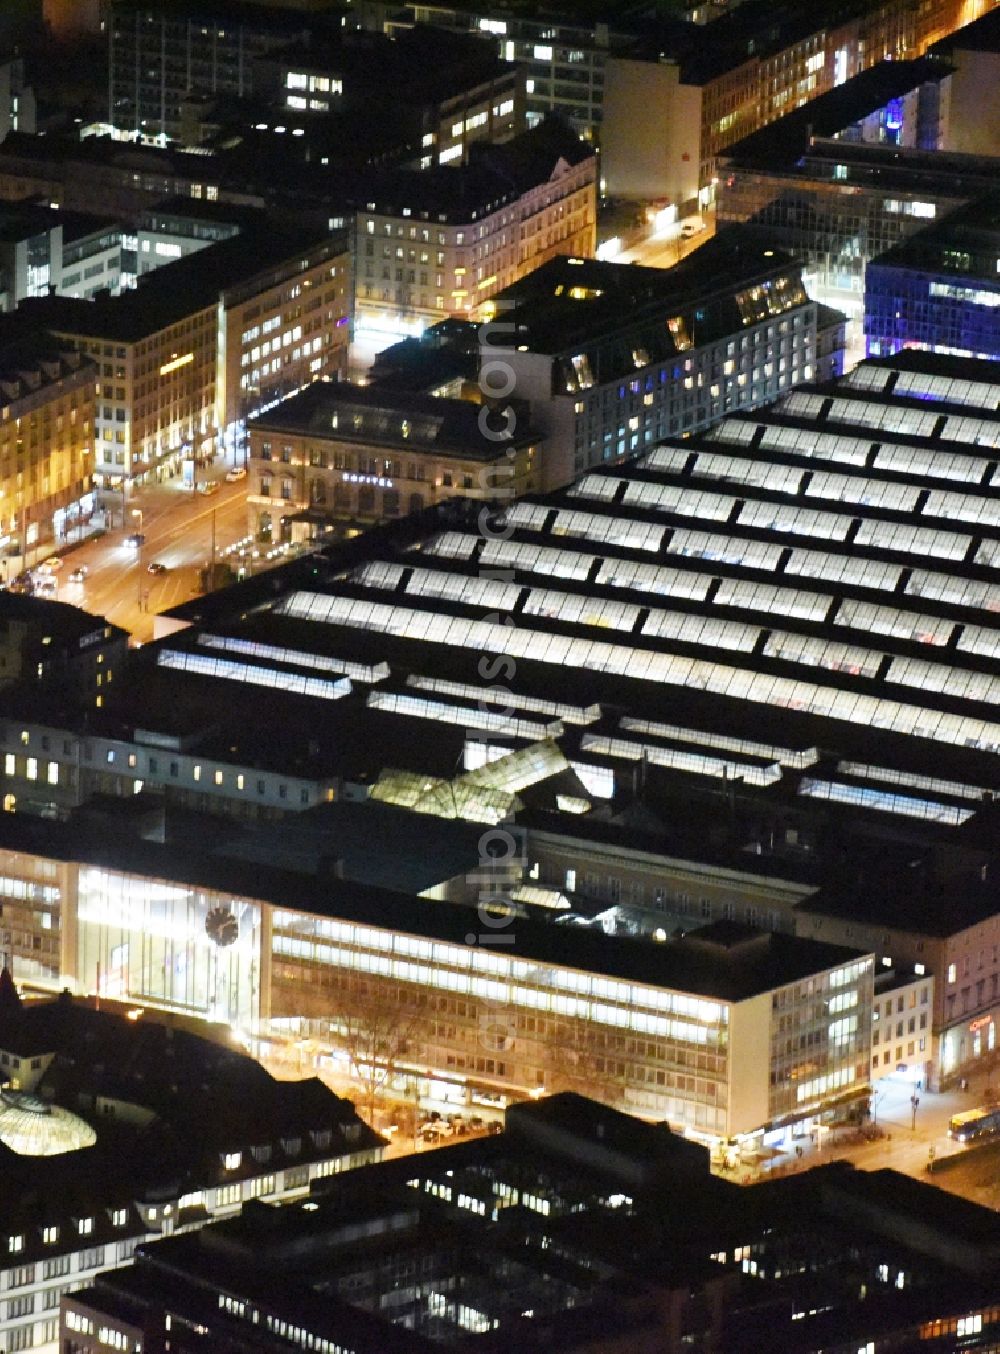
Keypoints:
pixel 940 289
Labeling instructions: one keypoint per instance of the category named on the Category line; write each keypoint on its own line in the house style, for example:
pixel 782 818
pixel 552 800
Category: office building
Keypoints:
pixel 614 357
pixel 445 91
pixel 562 54
pixel 17 99
pixel 576 1229
pixel 693 1030
pixel 161 52
pixel 939 290
pixel 115 1130
pixel 850 174
pixel 44 250
pixel 973 52
pixel 100 176
pixel 943 925
pixel 187 354
pixel 338 457
pixel 677 101
pixel 47 423
pixel 60 648
pixel 442 242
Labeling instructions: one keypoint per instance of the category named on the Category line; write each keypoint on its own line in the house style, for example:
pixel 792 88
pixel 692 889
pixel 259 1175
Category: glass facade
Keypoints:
pixel 144 939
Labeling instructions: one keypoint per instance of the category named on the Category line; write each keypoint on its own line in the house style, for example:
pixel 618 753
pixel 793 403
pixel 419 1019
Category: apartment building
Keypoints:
pixel 435 243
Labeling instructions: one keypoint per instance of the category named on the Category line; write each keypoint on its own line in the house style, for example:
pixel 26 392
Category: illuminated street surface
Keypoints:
pixel 667 247
pixel 177 526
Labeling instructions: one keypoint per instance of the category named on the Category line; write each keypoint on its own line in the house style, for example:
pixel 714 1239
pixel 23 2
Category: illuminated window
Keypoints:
pixel 31 768
pixel 196 773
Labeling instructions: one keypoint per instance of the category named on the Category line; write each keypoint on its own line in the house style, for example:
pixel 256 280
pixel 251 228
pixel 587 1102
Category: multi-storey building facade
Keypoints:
pixel 157 363
pixel 939 289
pixel 160 52
pixel 443 91
pixel 949 1028
pixel 88 1178
pixel 672 108
pixel 724 1032
pixel 342 457
pixel 733 1270
pixel 439 243
pixel 283 326
pixel 880 135
pixel 47 430
pixel 563 58
pixel 185 356
pixel 614 357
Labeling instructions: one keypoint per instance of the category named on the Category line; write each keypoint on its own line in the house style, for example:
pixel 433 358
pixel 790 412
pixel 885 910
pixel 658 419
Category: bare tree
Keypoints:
pixel 375 1029
pixel 576 1058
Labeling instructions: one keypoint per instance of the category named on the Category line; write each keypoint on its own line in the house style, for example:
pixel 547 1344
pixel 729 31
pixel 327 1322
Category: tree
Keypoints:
pixel 375 1029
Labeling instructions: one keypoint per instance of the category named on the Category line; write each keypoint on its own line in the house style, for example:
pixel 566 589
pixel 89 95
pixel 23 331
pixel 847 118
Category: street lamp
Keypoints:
pixel 137 513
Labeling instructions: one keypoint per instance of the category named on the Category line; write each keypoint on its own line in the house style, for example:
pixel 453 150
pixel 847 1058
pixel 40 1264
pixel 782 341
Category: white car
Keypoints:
pixel 238 472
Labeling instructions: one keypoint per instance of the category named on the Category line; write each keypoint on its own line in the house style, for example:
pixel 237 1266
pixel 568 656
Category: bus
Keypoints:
pixel 974 1124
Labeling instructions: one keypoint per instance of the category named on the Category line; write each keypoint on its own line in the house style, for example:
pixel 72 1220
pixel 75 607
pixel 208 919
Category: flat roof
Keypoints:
pixel 723 962
pixel 784 141
pixel 178 289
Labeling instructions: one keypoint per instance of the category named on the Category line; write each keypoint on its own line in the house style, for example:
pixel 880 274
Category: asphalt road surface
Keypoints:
pixel 177 526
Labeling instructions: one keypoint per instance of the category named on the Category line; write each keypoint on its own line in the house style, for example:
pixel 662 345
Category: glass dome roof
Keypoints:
pixel 32 1128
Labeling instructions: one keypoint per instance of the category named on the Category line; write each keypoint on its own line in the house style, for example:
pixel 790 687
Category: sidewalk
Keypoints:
pixel 904 1142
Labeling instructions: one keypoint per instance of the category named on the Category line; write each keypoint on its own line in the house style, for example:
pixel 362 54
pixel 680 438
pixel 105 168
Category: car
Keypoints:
pixel 79 574
pixel 238 472
pixel 208 487
pixel 155 567
pixel 691 228
pixel 52 565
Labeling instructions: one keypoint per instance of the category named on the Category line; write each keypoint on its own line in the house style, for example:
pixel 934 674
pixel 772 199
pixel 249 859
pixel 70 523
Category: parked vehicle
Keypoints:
pixel 52 565
pixel 238 472
pixel 208 487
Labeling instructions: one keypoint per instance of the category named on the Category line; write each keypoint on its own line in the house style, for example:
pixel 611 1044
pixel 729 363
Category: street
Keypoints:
pixel 907 1142
pixel 177 526
pixel 667 247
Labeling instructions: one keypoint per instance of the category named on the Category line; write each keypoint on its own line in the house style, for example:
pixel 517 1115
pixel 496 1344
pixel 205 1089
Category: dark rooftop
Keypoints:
pixel 721 961
pixel 406 420
pixel 786 140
